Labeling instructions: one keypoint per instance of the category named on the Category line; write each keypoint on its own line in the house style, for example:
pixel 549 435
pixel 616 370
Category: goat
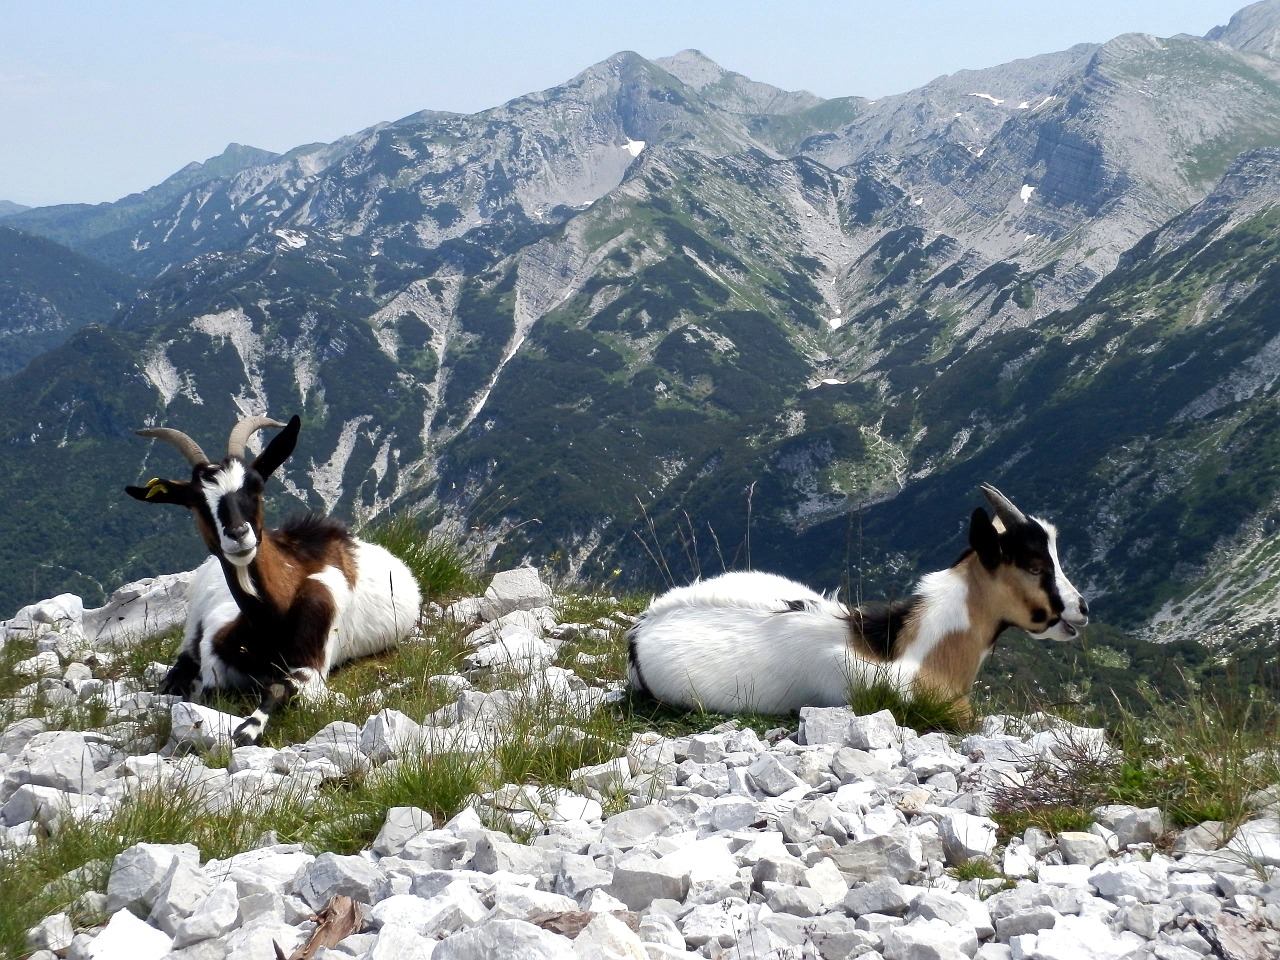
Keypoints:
pixel 273 610
pixel 759 642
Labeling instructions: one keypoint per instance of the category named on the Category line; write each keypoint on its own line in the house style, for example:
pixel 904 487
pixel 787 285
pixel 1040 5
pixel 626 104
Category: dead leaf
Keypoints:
pixel 340 918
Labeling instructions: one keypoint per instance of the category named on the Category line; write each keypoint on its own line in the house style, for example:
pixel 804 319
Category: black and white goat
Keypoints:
pixel 756 641
pixel 274 609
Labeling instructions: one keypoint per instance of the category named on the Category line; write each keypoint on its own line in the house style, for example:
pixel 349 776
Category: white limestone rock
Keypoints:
pixel 138 873
pixel 929 940
pixel 331 874
pixel 518 589
pixel 184 888
pixel 1086 848
pixel 53 933
pixel 143 608
pixel 125 937
pixel 397 942
pixel 400 825
pixel 389 733
pixel 874 731
pixel 216 916
pixel 195 725
pixel 608 938
pixel 504 938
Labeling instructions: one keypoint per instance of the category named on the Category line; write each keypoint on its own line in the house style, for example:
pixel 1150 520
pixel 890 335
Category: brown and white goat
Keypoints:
pixel 274 610
pixel 759 642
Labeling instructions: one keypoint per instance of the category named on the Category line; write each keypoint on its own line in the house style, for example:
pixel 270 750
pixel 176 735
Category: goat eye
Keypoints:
pixel 1035 567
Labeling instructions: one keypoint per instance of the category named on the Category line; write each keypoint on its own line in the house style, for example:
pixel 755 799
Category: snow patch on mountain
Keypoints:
pixel 292 239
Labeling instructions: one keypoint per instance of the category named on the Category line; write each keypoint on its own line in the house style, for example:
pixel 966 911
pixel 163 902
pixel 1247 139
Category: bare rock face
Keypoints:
pixel 1253 29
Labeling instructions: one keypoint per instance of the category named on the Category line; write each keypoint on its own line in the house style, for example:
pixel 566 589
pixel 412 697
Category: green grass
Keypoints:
pixel 444 570
pixel 1196 759
pixel 976 868
pixel 922 708
pixel 350 815
pixel 34 882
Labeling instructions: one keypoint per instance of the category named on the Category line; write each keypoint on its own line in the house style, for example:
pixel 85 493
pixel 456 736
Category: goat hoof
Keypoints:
pixel 248 733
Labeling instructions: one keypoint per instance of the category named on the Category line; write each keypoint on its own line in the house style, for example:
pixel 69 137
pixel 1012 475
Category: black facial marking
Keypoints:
pixel 1027 547
pixel 1039 615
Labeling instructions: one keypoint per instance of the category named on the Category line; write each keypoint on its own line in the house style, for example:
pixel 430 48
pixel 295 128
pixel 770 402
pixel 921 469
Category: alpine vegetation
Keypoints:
pixel 274 609
pixel 757 641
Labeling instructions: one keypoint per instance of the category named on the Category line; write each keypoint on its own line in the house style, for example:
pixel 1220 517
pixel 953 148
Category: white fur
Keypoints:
pixel 229 479
pixel 210 607
pixel 943 609
pixel 731 644
pixel 375 613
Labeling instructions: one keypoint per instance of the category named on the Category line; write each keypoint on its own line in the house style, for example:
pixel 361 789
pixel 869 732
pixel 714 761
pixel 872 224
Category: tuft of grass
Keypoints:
pixel 349 817
pixel 444 568
pixel 975 868
pixel 639 714
pixel 1198 760
pixel 919 707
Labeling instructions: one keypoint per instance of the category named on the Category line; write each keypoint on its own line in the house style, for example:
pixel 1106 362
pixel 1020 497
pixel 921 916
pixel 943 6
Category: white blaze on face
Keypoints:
pixel 226 481
pixel 1074 612
pixel 1071 599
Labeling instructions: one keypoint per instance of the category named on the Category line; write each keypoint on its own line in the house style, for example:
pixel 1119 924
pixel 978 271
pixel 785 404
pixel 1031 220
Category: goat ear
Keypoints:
pixel 984 538
pixel 163 491
pixel 277 451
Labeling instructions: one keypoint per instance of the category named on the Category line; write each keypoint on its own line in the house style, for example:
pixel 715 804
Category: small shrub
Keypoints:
pixel 1196 760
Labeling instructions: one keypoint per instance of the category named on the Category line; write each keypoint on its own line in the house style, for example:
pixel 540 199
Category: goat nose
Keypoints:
pixel 239 532
pixel 1084 608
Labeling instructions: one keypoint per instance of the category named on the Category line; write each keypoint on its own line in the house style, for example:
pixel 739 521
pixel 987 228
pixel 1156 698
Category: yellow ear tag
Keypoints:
pixel 156 485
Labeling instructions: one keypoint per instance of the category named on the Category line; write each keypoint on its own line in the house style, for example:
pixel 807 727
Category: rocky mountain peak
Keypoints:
pixel 732 91
pixel 1255 29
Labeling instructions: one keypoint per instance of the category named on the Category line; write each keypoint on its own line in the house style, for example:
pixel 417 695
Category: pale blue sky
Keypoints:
pixel 98 99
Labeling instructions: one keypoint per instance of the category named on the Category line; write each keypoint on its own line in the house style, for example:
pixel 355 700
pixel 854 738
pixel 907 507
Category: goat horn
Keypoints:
pixel 186 446
pixel 243 430
pixel 1003 507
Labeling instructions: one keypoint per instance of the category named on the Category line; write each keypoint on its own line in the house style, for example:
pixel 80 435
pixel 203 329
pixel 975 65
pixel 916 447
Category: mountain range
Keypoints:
pixel 664 319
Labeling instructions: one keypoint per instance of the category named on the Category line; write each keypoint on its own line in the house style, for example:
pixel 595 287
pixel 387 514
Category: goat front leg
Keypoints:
pixel 274 696
pixel 300 665
pixel 180 681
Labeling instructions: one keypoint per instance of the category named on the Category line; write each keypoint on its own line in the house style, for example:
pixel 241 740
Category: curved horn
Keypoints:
pixel 186 446
pixel 243 430
pixel 1003 506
